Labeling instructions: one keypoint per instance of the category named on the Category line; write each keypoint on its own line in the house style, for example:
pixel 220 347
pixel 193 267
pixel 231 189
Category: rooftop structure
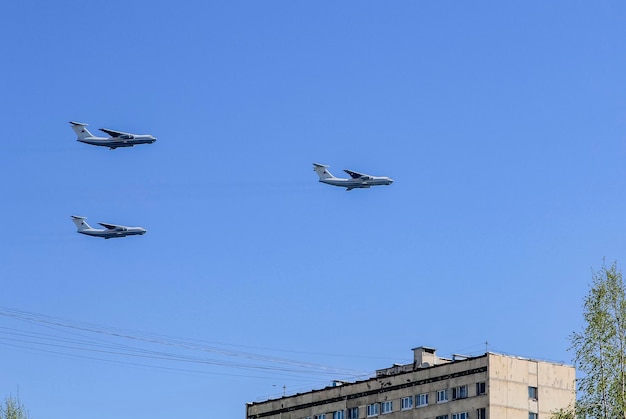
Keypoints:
pixel 487 386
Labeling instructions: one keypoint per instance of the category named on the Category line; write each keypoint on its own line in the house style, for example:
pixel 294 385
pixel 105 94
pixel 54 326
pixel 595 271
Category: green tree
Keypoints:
pixel 599 348
pixel 13 409
pixel 563 414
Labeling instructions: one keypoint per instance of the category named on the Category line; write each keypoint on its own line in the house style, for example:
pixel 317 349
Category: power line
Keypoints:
pixel 76 339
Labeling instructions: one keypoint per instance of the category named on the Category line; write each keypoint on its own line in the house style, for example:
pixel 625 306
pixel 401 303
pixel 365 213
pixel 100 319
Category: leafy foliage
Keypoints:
pixel 599 348
pixel 13 409
pixel 563 414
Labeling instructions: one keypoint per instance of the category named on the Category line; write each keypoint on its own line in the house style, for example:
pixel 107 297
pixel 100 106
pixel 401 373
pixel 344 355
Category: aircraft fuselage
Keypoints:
pixel 112 234
pixel 358 183
pixel 121 141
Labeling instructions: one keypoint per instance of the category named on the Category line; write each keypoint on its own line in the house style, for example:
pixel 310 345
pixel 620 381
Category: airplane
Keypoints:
pixel 116 138
pixel 110 231
pixel 357 180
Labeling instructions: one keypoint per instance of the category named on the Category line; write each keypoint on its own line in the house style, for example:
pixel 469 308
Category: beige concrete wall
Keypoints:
pixel 557 387
pixel 507 380
pixel 510 377
pixel 378 387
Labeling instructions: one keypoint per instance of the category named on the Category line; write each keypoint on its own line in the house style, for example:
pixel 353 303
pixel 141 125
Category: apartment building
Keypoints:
pixel 491 386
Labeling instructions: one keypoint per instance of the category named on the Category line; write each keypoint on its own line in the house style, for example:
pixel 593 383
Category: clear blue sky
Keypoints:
pixel 503 125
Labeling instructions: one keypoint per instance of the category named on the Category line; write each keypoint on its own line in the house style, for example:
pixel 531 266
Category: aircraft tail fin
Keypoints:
pixel 80 222
pixel 322 171
pixel 81 130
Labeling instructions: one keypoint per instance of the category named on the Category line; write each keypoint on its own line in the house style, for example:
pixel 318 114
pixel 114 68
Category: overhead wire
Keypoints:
pixel 70 337
pixel 151 366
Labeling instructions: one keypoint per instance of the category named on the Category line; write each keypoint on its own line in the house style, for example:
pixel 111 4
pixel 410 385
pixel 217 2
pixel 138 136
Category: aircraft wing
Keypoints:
pixel 357 175
pixel 112 227
pixel 115 134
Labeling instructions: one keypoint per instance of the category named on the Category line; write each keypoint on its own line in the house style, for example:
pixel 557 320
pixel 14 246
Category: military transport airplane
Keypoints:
pixel 116 139
pixel 357 180
pixel 110 231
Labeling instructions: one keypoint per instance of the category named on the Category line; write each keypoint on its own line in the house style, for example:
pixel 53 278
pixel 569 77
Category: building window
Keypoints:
pixel 386 407
pixel 481 413
pixel 338 414
pixel 322 416
pixel 481 388
pixel 463 415
pixel 459 393
pixel 532 416
pixel 442 417
pixel 406 403
pixel 442 396
pixel 532 393
pixel 372 410
pixel 353 413
pixel 421 400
